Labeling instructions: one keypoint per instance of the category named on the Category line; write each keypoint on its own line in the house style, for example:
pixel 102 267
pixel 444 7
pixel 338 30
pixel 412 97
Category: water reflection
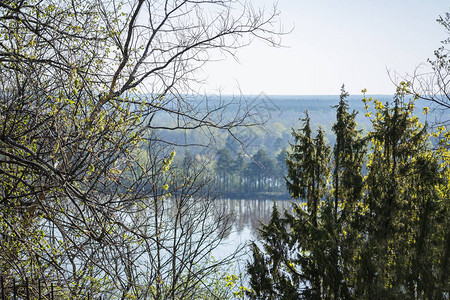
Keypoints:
pixel 249 213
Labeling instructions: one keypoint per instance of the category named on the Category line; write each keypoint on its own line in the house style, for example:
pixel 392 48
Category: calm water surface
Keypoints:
pixel 249 214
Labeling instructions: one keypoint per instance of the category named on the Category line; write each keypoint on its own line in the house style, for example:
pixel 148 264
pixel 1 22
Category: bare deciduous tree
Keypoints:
pixel 82 85
pixel 431 82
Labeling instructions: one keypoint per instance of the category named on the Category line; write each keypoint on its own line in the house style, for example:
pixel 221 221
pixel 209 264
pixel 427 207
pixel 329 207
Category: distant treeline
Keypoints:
pixel 250 163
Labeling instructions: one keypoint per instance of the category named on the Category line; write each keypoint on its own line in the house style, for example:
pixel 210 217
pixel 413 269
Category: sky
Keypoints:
pixel 359 43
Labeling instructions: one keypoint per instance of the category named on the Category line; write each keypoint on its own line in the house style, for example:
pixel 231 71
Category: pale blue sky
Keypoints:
pixel 354 42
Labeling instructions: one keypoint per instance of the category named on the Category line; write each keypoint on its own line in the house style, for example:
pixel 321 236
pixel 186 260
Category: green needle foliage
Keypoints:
pixel 361 230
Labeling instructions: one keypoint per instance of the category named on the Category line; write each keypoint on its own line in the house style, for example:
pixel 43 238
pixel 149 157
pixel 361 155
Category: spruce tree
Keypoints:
pixel 300 163
pixel 308 167
pixel 308 173
pixel 348 156
pixel 402 201
pixel 383 235
pixel 269 273
pixel 339 215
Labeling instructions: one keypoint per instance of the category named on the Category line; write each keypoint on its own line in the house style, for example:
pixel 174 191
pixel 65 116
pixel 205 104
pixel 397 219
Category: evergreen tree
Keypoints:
pixel 385 235
pixel 281 169
pixel 308 167
pixel 223 167
pixel 297 259
pixel 348 156
pixel 272 274
pixel 237 168
pixel 260 279
pixel 299 180
pixel 260 171
pixel 402 196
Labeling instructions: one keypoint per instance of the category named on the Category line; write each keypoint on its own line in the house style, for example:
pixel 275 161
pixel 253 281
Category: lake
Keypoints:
pixel 248 214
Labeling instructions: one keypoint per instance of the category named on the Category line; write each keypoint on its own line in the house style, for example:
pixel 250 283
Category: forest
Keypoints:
pixel 254 165
pixel 371 216
pixel 112 165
